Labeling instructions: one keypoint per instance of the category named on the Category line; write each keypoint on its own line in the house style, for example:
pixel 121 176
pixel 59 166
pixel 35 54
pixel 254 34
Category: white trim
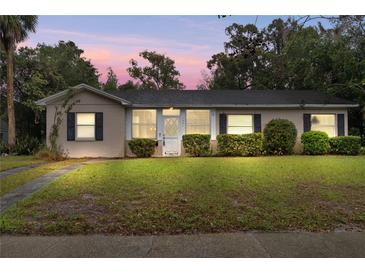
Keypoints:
pixel 213 126
pixel 45 101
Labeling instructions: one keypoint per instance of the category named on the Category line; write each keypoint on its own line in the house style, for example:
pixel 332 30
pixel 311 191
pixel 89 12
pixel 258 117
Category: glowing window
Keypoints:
pixel 197 121
pixel 85 126
pixel 144 123
pixel 325 123
pixel 239 124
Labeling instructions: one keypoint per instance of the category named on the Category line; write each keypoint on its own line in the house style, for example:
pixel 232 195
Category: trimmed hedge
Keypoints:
pixel 240 145
pixel 279 137
pixel 315 142
pixel 347 145
pixel 142 147
pixel 197 144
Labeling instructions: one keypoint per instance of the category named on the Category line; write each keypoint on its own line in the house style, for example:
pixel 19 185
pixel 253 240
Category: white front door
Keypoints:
pixel 170 143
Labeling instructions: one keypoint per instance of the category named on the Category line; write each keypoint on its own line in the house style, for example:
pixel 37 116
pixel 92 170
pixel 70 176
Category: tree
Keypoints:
pixel 129 85
pixel 42 71
pixel 111 83
pixel 161 74
pixel 14 29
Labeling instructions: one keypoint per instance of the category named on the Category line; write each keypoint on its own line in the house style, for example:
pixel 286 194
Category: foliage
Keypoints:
pixel 142 148
pixel 362 151
pixel 13 29
pixel 160 74
pixel 315 142
pixel 197 144
pixel 129 85
pixel 25 145
pixel 348 145
pixel 290 55
pixel 42 71
pixel 279 137
pixel 111 83
pixel 240 145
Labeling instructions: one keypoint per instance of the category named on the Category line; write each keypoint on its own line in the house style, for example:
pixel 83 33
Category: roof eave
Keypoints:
pixel 248 105
pixel 45 101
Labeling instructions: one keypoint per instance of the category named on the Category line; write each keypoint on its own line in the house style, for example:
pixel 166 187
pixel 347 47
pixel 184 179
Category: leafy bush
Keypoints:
pixel 362 151
pixel 279 137
pixel 4 149
pixel 25 145
pixel 240 145
pixel 142 147
pixel 315 142
pixel 46 153
pixel 197 144
pixel 348 145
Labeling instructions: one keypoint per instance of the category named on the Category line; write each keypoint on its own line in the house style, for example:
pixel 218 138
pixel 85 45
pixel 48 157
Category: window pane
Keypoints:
pixel 239 130
pixel 323 119
pixel 144 123
pixel 144 116
pixel 191 129
pixel 239 120
pixel 198 121
pixel 85 118
pixel 85 132
pixel 324 122
pixel 171 112
pixel 144 131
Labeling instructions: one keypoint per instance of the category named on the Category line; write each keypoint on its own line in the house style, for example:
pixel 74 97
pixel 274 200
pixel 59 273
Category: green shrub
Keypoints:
pixel 315 143
pixel 362 151
pixel 46 153
pixel 348 145
pixel 4 148
pixel 25 145
pixel 240 145
pixel 279 137
pixel 142 147
pixel 197 144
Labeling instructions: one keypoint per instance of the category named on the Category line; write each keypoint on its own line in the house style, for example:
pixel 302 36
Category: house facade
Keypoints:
pixel 100 123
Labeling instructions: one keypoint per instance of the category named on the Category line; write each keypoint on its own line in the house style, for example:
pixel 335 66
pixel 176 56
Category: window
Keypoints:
pixel 325 123
pixel 171 112
pixel 239 124
pixel 144 123
pixel 85 126
pixel 197 121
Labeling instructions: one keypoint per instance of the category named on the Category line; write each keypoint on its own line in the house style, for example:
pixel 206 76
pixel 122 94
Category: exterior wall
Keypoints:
pixel 294 115
pixel 114 127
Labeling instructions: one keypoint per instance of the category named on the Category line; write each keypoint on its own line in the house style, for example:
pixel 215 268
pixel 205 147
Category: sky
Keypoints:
pixel 111 41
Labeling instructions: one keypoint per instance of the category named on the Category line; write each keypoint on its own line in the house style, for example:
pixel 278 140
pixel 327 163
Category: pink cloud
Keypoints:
pixel 189 65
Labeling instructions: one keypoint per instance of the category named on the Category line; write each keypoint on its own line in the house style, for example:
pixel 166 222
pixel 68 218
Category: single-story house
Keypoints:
pixel 101 123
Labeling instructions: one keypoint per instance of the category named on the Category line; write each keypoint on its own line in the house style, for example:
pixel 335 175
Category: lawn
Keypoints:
pixel 9 162
pixel 191 195
pixel 11 182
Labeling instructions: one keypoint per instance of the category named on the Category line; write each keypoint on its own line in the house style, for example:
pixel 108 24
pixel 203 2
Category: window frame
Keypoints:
pixel 209 118
pixel 335 124
pixel 81 125
pixel 133 123
pixel 252 123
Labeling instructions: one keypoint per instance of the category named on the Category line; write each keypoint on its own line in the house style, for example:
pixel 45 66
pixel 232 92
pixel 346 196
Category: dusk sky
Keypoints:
pixel 114 40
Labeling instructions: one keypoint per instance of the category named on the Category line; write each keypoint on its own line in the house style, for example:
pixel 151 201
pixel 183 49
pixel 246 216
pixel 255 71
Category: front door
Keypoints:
pixel 170 145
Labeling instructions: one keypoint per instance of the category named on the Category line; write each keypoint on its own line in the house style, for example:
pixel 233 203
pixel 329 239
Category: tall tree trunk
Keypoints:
pixel 10 97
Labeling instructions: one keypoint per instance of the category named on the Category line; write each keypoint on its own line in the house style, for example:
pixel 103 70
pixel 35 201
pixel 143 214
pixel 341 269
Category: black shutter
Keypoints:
pixel 306 122
pixel 341 124
pixel 222 123
pixel 257 122
pixel 71 126
pixel 99 126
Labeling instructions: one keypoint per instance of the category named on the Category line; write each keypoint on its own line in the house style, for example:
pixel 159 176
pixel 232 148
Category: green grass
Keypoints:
pixel 190 195
pixel 9 162
pixel 11 182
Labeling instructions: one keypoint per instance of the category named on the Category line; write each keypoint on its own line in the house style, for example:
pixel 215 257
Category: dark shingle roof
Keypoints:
pixel 228 98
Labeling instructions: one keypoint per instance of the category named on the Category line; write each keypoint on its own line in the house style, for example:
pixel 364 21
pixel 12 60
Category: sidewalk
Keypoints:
pixel 291 244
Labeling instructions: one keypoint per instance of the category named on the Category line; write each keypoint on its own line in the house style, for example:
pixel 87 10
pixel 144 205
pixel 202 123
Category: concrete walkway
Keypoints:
pixel 227 245
pixel 16 170
pixel 27 189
